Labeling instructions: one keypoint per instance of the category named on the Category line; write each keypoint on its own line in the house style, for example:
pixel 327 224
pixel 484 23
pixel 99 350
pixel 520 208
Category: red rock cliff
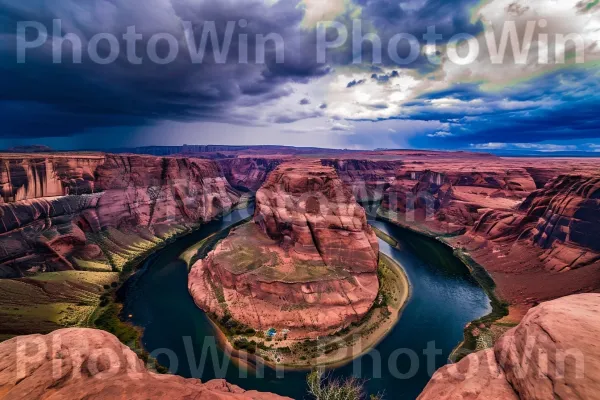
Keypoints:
pixel 247 173
pixel 307 263
pixel 65 212
pixel 550 238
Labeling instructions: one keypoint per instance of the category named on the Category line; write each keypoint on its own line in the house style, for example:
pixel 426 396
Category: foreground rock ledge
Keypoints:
pixel 552 354
pixel 308 262
pixel 92 364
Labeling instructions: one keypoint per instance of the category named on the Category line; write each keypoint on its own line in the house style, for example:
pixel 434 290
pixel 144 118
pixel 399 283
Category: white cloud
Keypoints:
pixel 440 134
pixel 542 147
pixel 563 17
pixel 489 146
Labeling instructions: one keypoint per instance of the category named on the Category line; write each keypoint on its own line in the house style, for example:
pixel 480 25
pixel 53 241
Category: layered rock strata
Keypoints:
pixel 551 237
pixel 367 179
pixel 307 263
pixel 248 174
pixel 98 213
pixel 447 199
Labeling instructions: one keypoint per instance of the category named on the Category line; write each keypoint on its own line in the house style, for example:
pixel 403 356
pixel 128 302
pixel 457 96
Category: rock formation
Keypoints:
pixel 551 354
pixel 449 198
pixel 367 179
pixel 100 211
pixel 93 364
pixel 248 174
pixel 551 237
pixel 307 263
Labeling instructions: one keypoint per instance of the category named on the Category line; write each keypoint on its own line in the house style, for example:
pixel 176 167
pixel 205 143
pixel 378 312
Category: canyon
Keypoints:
pixel 72 223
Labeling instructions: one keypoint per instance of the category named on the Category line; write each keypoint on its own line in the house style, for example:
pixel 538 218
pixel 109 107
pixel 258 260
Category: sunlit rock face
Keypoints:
pixel 308 261
pixel 551 354
pixel 92 364
pixel 100 212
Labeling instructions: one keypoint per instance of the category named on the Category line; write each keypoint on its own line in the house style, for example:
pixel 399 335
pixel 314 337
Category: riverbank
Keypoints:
pixel 108 315
pixel 481 333
pixel 333 351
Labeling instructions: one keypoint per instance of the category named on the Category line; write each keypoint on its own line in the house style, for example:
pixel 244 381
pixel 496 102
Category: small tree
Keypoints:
pixel 321 387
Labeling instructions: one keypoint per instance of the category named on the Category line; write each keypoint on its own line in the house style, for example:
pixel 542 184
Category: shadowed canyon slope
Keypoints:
pixel 308 262
pixel 98 212
pixel 551 354
pixel 93 364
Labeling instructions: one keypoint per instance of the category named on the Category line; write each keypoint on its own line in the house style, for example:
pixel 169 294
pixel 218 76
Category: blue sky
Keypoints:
pixel 431 102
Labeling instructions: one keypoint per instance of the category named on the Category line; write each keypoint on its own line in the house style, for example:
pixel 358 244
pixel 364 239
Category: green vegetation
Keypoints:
pixel 392 291
pixel 190 256
pixel 483 332
pixel 247 250
pixel 109 321
pixel 50 301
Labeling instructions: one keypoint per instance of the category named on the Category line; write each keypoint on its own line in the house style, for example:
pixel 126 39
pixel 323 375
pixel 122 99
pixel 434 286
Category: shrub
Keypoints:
pixel 321 387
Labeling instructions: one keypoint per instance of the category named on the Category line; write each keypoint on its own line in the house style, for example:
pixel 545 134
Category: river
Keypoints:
pixel 444 299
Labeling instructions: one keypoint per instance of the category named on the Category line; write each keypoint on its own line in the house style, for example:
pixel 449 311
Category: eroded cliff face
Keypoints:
pixel 248 174
pixel 551 354
pixel 367 179
pixel 551 238
pixel 93 364
pixel 26 177
pixel 308 262
pixel 101 212
pixel 447 199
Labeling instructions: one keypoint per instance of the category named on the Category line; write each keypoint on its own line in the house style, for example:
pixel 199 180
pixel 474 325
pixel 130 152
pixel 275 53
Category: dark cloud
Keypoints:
pixel 40 98
pixel 388 18
pixel 304 102
pixel 355 83
pixel 557 107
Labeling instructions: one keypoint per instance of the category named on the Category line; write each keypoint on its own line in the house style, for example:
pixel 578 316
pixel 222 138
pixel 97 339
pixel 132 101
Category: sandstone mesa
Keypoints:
pixel 307 263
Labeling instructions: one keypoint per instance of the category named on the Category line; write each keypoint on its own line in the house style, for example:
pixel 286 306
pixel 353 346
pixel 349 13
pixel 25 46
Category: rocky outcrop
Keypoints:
pixel 307 263
pixel 98 212
pixel 551 354
pixel 92 364
pixel 248 174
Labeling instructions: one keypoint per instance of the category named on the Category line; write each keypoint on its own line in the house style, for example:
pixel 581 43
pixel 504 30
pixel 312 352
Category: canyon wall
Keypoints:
pixel 367 179
pixel 550 237
pixel 99 212
pixel 248 174
pixel 93 364
pixel 449 198
pixel 307 263
pixel 551 354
